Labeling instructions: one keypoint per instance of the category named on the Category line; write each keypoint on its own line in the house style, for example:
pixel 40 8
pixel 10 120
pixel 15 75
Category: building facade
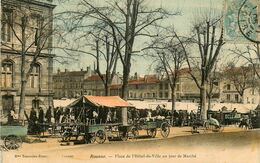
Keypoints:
pixel 93 85
pixel 70 84
pixel 155 87
pixel 146 87
pixel 38 90
pixel 229 94
pixel 241 86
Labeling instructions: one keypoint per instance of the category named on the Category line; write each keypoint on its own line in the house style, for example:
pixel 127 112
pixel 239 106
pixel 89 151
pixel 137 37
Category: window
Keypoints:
pixel 166 86
pixel 7 74
pixel 228 97
pixel 160 94
pixel 7 103
pixel 5 28
pixel 35 77
pixel 236 97
pixel 228 87
pixel 37 21
pixel 161 86
pixel 136 86
pixel 178 87
pixel 166 95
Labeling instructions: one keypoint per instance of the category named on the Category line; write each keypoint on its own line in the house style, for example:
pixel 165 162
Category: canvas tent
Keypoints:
pixel 62 102
pixel 101 101
pixel 103 105
pixel 151 104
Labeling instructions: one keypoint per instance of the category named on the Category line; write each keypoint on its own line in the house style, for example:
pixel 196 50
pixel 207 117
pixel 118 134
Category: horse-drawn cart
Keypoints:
pixel 12 135
pixel 206 126
pixel 98 128
pixel 96 132
pixel 152 127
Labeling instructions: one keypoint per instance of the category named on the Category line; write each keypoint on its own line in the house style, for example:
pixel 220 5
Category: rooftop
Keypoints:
pixel 147 79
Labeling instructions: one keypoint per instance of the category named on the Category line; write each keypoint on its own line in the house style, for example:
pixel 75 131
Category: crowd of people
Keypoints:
pixel 38 118
pixel 179 117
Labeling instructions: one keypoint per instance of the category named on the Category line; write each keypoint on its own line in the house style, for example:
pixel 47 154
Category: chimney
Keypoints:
pixel 89 71
pixel 94 65
pixel 135 76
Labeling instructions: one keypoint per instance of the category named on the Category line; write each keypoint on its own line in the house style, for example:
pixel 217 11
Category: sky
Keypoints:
pixel 182 25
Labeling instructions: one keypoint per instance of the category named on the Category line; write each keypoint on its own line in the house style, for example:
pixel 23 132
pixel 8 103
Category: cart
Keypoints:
pixel 206 126
pixel 96 132
pixel 118 131
pixel 12 135
pixel 152 127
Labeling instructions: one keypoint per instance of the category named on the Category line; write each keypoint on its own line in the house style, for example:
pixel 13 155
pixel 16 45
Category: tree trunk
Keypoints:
pixel 107 89
pixel 126 72
pixel 209 102
pixel 242 98
pixel 23 87
pixel 124 93
pixel 173 103
pixel 203 101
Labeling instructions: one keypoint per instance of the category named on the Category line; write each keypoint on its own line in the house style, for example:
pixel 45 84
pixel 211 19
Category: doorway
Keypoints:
pixel 7 103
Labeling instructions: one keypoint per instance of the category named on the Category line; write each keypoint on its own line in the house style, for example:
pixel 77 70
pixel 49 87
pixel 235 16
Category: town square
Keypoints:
pixel 130 81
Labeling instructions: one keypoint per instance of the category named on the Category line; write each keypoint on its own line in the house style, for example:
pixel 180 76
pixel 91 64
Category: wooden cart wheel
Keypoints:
pixel 100 136
pixel 221 128
pixel 92 139
pixel 194 129
pixel 124 136
pixel 89 138
pixel 151 132
pixel 165 129
pixel 135 132
pixel 218 129
pixel 12 142
pixel 66 136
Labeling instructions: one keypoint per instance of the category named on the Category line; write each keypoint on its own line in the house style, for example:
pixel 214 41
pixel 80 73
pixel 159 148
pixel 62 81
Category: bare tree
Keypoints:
pixel 241 77
pixel 32 33
pixel 209 42
pixel 250 54
pixel 99 45
pixel 213 88
pixel 124 21
pixel 111 58
pixel 169 56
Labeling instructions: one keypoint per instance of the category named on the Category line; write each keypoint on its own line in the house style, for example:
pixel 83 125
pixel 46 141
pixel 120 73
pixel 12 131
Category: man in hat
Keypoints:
pixel 48 115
